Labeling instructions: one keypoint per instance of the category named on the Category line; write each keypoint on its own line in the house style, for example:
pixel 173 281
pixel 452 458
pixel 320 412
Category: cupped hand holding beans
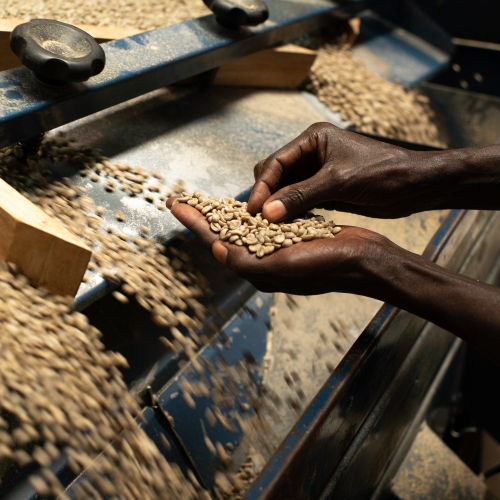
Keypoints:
pixel 345 263
pixel 359 261
pixel 331 168
pixel 327 167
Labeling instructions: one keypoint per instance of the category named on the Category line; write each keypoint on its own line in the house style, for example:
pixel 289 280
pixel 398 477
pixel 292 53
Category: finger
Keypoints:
pixel 278 165
pixel 297 198
pixel 171 200
pixel 233 256
pixel 220 251
pixel 260 193
pixel 257 170
pixel 238 258
pixel 272 171
pixel 244 263
pixel 195 222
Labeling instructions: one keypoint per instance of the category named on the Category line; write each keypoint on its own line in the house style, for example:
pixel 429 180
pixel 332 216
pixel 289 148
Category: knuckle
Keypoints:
pixel 272 168
pixel 258 169
pixel 341 176
pixel 296 197
pixel 335 172
pixel 320 127
pixel 270 159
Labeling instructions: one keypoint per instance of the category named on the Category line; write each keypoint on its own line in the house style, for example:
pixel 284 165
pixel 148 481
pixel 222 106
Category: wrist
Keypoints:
pixel 381 268
pixel 402 274
pixel 414 283
pixel 439 177
pixel 456 303
pixel 400 277
pixel 480 177
pixel 460 178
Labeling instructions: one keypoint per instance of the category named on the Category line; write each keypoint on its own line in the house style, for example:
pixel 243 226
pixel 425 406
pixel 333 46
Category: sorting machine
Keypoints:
pixel 401 371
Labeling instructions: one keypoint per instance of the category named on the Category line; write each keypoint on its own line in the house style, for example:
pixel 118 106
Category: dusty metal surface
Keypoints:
pixel 211 140
pixel 244 337
pixel 395 53
pixel 432 470
pixel 472 119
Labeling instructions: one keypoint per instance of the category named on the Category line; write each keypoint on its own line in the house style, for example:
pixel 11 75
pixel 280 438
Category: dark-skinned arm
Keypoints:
pixel 331 168
pixel 365 263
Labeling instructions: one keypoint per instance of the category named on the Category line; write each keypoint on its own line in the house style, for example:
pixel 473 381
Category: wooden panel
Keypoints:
pixel 282 67
pixel 44 251
pixel 8 59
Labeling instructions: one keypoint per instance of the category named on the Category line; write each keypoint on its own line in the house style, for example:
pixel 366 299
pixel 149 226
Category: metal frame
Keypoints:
pixel 328 435
pixel 150 60
pixel 398 413
pixel 313 451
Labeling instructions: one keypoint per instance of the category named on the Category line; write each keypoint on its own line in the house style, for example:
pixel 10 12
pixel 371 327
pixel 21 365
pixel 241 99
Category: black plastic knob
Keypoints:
pixel 235 13
pixel 58 53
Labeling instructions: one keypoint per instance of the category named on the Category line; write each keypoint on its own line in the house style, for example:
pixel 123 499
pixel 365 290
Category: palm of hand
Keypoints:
pixel 306 268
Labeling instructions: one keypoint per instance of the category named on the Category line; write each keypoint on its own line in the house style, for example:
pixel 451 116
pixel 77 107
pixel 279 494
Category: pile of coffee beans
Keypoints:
pixel 140 14
pixel 370 103
pixel 235 224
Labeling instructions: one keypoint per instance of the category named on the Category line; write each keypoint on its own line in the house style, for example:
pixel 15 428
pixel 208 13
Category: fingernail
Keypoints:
pixel 275 210
pixel 219 251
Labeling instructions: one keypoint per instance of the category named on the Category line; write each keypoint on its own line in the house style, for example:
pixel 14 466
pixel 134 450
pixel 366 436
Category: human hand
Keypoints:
pixel 328 167
pixel 351 262
pixel 365 263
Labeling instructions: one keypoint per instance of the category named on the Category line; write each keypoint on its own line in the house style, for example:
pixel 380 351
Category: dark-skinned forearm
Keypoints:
pixel 466 178
pixel 463 306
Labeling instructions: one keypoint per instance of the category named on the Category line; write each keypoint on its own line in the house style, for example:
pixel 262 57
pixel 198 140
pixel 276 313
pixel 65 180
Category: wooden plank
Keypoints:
pixel 102 34
pixel 8 59
pixel 282 67
pixel 43 250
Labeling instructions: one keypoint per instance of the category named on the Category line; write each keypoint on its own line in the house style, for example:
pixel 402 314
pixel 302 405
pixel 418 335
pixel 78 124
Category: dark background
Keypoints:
pixel 483 17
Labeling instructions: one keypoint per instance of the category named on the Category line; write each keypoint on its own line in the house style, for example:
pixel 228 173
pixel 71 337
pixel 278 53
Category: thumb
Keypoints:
pixel 296 199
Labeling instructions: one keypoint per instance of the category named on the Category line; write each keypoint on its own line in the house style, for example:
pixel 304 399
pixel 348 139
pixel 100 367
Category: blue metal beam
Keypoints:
pixel 148 61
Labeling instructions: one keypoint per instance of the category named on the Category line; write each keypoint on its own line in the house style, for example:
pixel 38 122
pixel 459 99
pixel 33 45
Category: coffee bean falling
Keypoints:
pixel 169 289
pixel 166 287
pixel 235 224
pixel 62 392
pixel 137 263
pixel 92 407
